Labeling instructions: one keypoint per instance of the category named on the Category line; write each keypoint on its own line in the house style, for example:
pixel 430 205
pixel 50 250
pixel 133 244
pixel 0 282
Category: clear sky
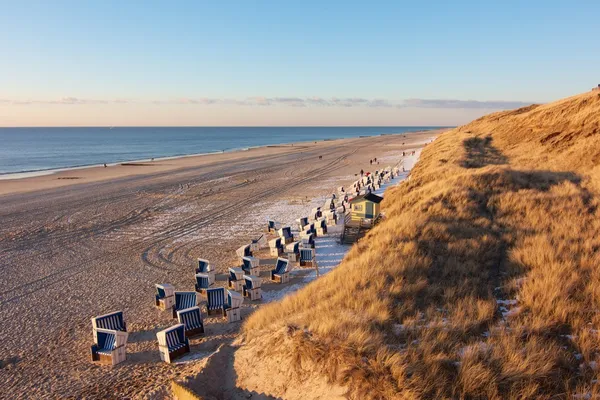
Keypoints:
pixel 232 63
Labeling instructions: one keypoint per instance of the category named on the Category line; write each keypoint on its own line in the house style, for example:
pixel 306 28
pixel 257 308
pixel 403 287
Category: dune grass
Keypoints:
pixel 483 281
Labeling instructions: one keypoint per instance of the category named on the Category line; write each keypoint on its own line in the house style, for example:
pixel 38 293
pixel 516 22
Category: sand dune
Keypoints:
pixel 482 282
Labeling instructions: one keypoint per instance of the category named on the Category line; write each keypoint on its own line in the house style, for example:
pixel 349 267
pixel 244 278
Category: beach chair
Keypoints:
pixel 281 273
pixel 244 251
pixel 275 246
pixel 252 288
pixel 272 226
pixel 165 296
pixel 172 343
pixel 236 278
pixel 331 217
pixel 307 257
pixel 307 240
pixel 113 321
pixel 109 347
pixel 285 234
pixel 202 283
pixel 191 318
pixel 204 267
pixel 292 250
pixel 250 265
pixel 215 301
pixel 321 227
pixel 258 244
pixel 184 300
pixel 302 222
pixel 232 308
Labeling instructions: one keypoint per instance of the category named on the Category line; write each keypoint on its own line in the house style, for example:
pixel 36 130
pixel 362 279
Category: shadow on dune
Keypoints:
pixel 480 153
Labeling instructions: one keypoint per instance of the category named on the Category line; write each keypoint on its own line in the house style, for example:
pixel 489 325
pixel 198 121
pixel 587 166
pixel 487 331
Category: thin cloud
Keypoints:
pixel 468 104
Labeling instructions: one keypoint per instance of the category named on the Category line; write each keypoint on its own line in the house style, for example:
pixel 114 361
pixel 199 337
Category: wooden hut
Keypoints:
pixel 365 206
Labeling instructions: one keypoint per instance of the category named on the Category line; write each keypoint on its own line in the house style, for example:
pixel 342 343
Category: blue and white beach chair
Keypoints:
pixel 307 257
pixel 204 267
pixel 215 301
pixel 307 240
pixel 302 222
pixel 252 287
pixel 285 234
pixel 244 251
pixel 321 227
pixel 281 272
pixel 292 251
pixel 202 283
pixel 172 343
pixel 232 308
pixel 184 300
pixel 113 321
pixel 165 296
pixel 236 278
pixel 276 247
pixel 250 265
pixel 109 347
pixel 191 318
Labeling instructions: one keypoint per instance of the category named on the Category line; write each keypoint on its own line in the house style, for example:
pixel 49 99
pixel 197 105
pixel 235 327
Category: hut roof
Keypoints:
pixel 369 197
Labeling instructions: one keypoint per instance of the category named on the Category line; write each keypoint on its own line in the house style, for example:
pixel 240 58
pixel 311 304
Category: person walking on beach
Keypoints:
pixel 371 162
pixel 362 172
pixel 104 165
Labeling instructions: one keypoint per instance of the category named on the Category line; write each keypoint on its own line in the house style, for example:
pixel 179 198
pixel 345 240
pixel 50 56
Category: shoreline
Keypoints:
pixel 27 181
pixel 49 171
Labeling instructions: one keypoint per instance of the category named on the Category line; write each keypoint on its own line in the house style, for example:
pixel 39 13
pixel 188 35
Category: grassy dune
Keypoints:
pixel 482 282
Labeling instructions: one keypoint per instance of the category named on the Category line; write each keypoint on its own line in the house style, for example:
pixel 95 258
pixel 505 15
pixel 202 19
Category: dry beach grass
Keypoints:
pixel 483 281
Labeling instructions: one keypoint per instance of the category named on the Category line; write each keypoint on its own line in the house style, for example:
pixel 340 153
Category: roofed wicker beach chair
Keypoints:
pixel 232 308
pixel 321 227
pixel 281 273
pixel 112 321
pixel 202 283
pixel 165 296
pixel 250 265
pixel 244 251
pixel 184 300
pixel 252 287
pixel 292 251
pixel 109 347
pixel 259 243
pixel 302 222
pixel 191 318
pixel 275 246
pixel 272 226
pixel 285 234
pixel 307 240
pixel 236 278
pixel 204 267
pixel 172 343
pixel 215 301
pixel 307 257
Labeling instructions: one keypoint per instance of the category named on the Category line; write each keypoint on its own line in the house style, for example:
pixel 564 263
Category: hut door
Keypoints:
pixel 369 210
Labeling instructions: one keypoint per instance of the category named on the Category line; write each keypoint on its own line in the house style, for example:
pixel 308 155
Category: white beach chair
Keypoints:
pixel 232 308
pixel 109 347
pixel 252 287
pixel 258 244
pixel 275 246
pixel 250 265
pixel 236 278
pixel 302 222
pixel 172 343
pixel 292 250
pixel 244 251
pixel 202 283
pixel 285 234
pixel 204 267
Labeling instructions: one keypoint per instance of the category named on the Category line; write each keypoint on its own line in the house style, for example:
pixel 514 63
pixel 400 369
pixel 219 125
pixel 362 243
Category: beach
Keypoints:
pixel 84 242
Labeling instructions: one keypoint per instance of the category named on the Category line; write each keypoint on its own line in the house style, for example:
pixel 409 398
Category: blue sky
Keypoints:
pixel 222 63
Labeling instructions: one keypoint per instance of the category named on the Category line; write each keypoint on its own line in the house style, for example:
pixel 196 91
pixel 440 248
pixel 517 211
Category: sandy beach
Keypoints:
pixel 81 243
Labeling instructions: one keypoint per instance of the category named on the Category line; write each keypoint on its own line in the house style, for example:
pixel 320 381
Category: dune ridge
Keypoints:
pixel 482 281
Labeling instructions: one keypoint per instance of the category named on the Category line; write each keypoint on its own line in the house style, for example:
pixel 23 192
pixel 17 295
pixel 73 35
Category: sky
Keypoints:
pixel 274 63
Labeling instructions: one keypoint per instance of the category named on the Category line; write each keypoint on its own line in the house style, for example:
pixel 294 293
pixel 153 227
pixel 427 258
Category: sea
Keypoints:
pixel 38 151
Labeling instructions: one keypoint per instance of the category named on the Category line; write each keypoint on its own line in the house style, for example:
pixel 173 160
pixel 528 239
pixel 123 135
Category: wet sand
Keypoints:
pixel 71 249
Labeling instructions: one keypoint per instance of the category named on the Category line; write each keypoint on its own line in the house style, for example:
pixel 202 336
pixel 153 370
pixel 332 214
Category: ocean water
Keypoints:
pixel 44 149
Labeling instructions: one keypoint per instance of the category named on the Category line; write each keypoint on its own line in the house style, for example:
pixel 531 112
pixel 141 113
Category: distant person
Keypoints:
pixel 362 172
pixel 104 165
pixel 320 157
pixel 371 162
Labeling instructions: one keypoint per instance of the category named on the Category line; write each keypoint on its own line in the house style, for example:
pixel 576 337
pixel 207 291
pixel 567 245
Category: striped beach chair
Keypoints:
pixel 191 318
pixel 285 234
pixel 172 343
pixel 281 272
pixel 232 307
pixel 244 251
pixel 307 257
pixel 113 321
pixel 215 301
pixel 236 278
pixel 307 240
pixel 204 267
pixel 165 296
pixel 184 300
pixel 202 283
pixel 109 347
